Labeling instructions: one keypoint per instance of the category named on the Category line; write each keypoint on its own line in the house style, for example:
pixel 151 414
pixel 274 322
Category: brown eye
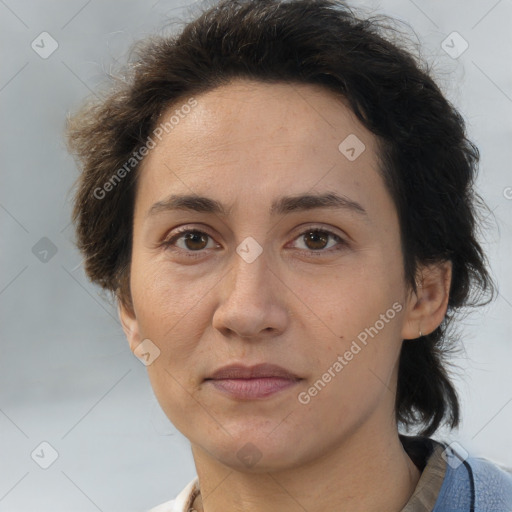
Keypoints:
pixel 318 242
pixel 195 240
pixel 189 240
pixel 316 239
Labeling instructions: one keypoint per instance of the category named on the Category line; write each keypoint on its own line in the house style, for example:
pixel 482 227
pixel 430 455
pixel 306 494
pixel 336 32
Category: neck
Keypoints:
pixel 370 472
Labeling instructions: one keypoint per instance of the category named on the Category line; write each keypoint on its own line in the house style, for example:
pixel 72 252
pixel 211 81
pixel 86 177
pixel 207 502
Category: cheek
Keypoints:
pixel 352 379
pixel 169 389
pixel 362 316
pixel 348 298
pixel 165 295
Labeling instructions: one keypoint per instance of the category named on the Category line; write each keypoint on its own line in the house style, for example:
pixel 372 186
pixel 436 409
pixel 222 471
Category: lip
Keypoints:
pixel 252 382
pixel 263 370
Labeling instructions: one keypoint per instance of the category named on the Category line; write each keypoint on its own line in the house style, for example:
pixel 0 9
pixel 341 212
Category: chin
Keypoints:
pixel 258 453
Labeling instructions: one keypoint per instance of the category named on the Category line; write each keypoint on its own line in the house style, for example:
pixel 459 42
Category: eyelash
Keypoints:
pixel 168 244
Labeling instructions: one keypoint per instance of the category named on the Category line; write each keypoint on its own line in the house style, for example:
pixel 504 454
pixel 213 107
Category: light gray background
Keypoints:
pixel 66 374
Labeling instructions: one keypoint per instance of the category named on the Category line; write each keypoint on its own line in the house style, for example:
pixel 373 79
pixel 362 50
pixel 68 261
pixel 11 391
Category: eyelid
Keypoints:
pixel 303 228
pixel 179 232
pixel 185 229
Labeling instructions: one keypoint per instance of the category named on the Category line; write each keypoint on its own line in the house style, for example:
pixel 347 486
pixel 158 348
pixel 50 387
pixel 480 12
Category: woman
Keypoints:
pixel 282 202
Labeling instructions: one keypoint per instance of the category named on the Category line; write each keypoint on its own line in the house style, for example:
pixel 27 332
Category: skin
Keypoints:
pixel 245 144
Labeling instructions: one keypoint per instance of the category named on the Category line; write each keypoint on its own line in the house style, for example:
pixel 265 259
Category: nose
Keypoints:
pixel 251 300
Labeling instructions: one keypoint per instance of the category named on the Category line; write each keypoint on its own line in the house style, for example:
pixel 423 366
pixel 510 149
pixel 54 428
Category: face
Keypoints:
pixel 312 285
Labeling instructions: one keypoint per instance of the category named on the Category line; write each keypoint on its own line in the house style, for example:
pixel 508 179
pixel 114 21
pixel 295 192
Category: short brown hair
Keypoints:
pixel 428 164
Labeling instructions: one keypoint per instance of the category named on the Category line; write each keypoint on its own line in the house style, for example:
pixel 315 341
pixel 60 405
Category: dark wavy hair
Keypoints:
pixel 427 163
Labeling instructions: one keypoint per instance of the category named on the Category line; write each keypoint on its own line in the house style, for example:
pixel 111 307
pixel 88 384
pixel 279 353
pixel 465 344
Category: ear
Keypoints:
pixel 130 324
pixel 427 307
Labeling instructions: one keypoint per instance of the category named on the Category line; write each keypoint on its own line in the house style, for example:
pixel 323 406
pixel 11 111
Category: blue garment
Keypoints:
pixel 474 485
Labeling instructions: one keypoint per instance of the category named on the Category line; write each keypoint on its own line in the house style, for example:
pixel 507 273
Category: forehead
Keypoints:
pixel 245 113
pixel 250 140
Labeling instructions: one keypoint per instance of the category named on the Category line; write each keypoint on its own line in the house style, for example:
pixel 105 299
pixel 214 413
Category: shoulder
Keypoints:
pixel 493 482
pixel 476 483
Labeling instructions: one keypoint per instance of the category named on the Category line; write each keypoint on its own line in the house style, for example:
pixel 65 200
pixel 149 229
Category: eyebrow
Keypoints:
pixel 281 206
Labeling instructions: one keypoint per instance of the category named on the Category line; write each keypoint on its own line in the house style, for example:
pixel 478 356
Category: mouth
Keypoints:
pixel 252 382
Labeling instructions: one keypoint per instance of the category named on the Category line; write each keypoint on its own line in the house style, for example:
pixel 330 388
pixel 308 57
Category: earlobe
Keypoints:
pixel 130 324
pixel 427 307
